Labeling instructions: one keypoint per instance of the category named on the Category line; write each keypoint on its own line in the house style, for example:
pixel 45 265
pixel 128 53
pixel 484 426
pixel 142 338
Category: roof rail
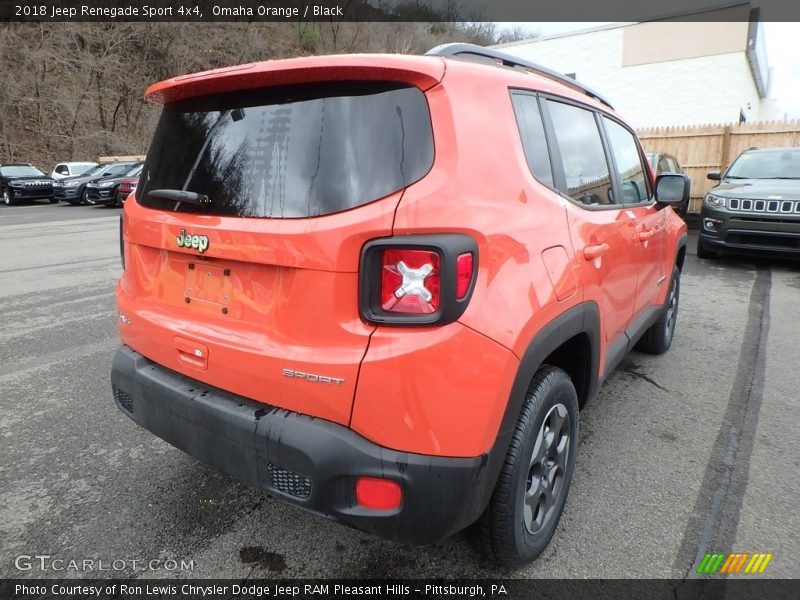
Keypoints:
pixel 471 51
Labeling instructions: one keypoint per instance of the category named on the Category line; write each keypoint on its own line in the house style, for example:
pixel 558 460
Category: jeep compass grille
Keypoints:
pixel 765 206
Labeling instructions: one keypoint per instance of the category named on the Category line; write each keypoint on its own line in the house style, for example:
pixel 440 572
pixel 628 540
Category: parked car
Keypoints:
pixel 664 163
pixel 661 162
pixel 346 290
pixel 22 181
pixel 755 207
pixel 105 191
pixel 127 187
pixel 69 169
pixel 73 189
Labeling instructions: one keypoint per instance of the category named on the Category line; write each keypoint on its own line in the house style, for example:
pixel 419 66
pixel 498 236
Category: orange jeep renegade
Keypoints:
pixel 380 287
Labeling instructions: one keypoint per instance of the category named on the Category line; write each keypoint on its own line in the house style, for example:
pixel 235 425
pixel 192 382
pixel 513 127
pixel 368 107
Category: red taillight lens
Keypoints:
pixel 417 279
pixel 463 274
pixel 410 281
pixel 378 494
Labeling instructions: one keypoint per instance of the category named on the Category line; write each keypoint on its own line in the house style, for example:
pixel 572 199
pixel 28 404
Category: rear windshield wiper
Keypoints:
pixel 180 196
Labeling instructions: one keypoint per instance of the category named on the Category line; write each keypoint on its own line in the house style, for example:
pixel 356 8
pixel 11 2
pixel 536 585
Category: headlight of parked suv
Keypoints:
pixel 72 184
pixel 105 184
pixel 713 201
pixel 16 184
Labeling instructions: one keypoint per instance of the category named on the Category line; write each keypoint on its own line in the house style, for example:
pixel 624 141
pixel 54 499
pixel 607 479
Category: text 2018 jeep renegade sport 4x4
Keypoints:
pixel 381 287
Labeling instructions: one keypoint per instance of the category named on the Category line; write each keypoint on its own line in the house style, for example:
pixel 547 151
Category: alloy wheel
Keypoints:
pixel 548 466
pixel 672 309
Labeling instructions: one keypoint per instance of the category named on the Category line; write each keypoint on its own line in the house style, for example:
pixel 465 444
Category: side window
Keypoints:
pixel 581 149
pixel 663 165
pixel 62 170
pixel 630 171
pixel 531 130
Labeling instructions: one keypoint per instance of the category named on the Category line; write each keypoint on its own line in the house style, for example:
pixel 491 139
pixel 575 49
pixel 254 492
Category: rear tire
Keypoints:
pixel 658 338
pixel 703 252
pixel 532 488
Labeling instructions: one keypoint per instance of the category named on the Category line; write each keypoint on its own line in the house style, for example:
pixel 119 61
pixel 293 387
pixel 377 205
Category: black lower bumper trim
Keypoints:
pixel 765 243
pixel 309 462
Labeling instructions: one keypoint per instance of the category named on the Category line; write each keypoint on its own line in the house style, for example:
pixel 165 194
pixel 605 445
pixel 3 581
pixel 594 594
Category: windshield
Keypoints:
pixel 118 169
pixel 21 171
pixel 81 169
pixel 96 170
pixel 299 151
pixel 135 171
pixel 766 164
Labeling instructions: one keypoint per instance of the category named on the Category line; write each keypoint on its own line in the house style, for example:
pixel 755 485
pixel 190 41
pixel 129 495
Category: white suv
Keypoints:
pixel 68 169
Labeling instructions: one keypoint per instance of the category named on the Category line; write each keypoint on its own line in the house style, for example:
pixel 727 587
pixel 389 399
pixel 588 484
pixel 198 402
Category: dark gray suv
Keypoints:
pixel 755 208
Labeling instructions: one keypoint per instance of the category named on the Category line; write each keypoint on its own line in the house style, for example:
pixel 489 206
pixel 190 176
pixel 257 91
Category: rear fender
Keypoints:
pixel 581 319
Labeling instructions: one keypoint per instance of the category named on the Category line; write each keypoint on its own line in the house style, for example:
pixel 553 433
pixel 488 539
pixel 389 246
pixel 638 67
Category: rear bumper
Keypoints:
pixel 309 462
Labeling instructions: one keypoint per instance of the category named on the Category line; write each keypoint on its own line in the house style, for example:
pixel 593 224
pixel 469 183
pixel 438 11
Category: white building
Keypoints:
pixel 665 72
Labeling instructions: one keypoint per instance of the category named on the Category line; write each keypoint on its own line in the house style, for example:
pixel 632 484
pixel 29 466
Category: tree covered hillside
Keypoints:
pixel 74 91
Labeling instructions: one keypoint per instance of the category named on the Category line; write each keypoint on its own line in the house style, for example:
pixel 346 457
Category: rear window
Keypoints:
pixel 290 152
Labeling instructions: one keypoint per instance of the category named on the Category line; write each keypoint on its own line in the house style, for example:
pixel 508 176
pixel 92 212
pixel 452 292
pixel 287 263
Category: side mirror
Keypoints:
pixel 714 175
pixel 673 189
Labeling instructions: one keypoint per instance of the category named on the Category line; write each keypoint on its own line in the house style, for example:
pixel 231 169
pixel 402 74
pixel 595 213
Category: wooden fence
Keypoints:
pixel 703 148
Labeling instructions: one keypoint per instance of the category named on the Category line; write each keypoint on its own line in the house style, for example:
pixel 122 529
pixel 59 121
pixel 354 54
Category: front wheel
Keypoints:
pixel 7 199
pixel 658 338
pixel 53 200
pixel 532 489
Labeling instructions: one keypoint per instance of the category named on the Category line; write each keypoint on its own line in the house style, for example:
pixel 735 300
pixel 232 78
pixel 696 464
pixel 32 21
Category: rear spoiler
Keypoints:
pixel 421 72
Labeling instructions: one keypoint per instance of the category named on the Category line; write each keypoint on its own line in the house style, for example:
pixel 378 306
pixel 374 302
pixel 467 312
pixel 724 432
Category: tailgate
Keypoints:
pixel 243 240
pixel 269 315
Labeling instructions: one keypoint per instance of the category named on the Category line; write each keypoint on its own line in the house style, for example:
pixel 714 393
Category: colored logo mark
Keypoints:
pixel 731 563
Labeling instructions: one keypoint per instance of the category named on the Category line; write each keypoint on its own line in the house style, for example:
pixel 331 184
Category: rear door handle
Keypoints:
pixel 596 251
pixel 646 234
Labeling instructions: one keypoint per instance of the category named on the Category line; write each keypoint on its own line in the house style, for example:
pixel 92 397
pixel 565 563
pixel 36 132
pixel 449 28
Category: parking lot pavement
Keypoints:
pixel 695 450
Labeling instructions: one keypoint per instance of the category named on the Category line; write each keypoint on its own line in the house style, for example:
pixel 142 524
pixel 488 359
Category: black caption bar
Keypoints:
pixel 517 589
pixel 395 10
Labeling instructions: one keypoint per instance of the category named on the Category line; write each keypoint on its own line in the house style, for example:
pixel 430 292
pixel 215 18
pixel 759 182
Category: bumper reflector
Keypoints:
pixel 378 494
